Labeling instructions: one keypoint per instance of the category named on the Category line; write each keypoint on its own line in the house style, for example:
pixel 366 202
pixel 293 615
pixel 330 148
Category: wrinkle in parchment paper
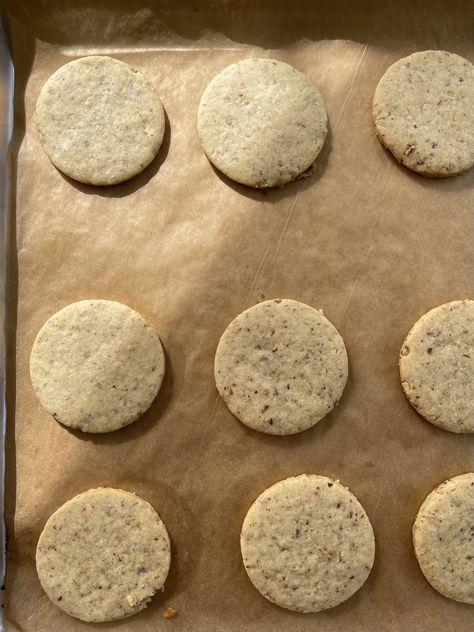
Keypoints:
pixel 370 243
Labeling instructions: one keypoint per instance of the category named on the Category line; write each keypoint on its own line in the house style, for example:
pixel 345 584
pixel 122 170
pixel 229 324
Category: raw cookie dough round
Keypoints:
pixel 443 537
pixel 97 365
pixel 103 554
pixel 307 543
pixel 99 121
pixel 281 366
pixel 437 366
pixel 262 122
pixel 423 112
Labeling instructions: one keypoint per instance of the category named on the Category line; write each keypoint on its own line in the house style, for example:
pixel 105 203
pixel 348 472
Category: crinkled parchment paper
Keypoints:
pixel 370 243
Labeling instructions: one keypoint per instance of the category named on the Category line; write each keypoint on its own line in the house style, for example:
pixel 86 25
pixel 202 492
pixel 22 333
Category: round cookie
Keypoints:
pixel 307 543
pixel 99 121
pixel 437 366
pixel 103 554
pixel 443 537
pixel 281 366
pixel 262 122
pixel 423 112
pixel 97 365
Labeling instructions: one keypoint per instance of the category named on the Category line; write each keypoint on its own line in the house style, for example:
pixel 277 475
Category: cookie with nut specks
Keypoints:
pixel 262 122
pixel 97 365
pixel 423 112
pixel 437 366
pixel 307 543
pixel 103 554
pixel 281 367
pixel 443 537
pixel 99 120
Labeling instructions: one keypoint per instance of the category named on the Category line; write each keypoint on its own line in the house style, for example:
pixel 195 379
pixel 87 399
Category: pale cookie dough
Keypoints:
pixel 97 365
pixel 99 121
pixel 103 555
pixel 281 366
pixel 437 366
pixel 307 543
pixel 262 122
pixel 443 537
pixel 423 112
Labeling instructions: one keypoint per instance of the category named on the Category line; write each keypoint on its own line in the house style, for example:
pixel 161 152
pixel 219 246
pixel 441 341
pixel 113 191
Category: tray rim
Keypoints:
pixel 6 131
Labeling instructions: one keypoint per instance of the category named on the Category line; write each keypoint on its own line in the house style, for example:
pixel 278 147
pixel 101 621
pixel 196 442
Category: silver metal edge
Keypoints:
pixel 6 129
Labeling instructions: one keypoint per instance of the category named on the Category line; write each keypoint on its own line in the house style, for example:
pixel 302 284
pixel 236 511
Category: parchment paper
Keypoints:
pixel 372 244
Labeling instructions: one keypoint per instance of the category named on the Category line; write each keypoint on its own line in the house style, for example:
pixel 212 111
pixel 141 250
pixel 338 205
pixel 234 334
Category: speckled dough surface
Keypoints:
pixel 281 366
pixel 99 121
pixel 262 122
pixel 307 543
pixel 103 555
pixel 437 366
pixel 423 112
pixel 97 365
pixel 443 537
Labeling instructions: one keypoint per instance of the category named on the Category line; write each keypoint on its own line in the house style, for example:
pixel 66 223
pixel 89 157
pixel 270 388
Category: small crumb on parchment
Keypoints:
pixel 169 613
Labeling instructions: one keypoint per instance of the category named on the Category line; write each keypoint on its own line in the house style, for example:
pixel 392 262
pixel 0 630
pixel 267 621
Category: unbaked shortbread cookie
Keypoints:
pixel 423 112
pixel 262 122
pixel 103 555
pixel 99 121
pixel 443 537
pixel 307 543
pixel 281 366
pixel 97 365
pixel 437 366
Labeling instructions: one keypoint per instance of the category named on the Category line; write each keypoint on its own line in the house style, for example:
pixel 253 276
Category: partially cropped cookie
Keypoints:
pixel 281 366
pixel 443 537
pixel 423 112
pixel 307 543
pixel 437 366
pixel 97 365
pixel 99 120
pixel 103 555
pixel 262 122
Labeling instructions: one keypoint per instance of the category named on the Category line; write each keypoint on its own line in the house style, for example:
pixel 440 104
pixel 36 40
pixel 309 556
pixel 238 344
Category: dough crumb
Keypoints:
pixel 169 612
pixel 132 600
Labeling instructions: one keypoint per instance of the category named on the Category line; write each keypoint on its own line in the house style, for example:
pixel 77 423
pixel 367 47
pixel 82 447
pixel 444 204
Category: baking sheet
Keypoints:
pixel 372 244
